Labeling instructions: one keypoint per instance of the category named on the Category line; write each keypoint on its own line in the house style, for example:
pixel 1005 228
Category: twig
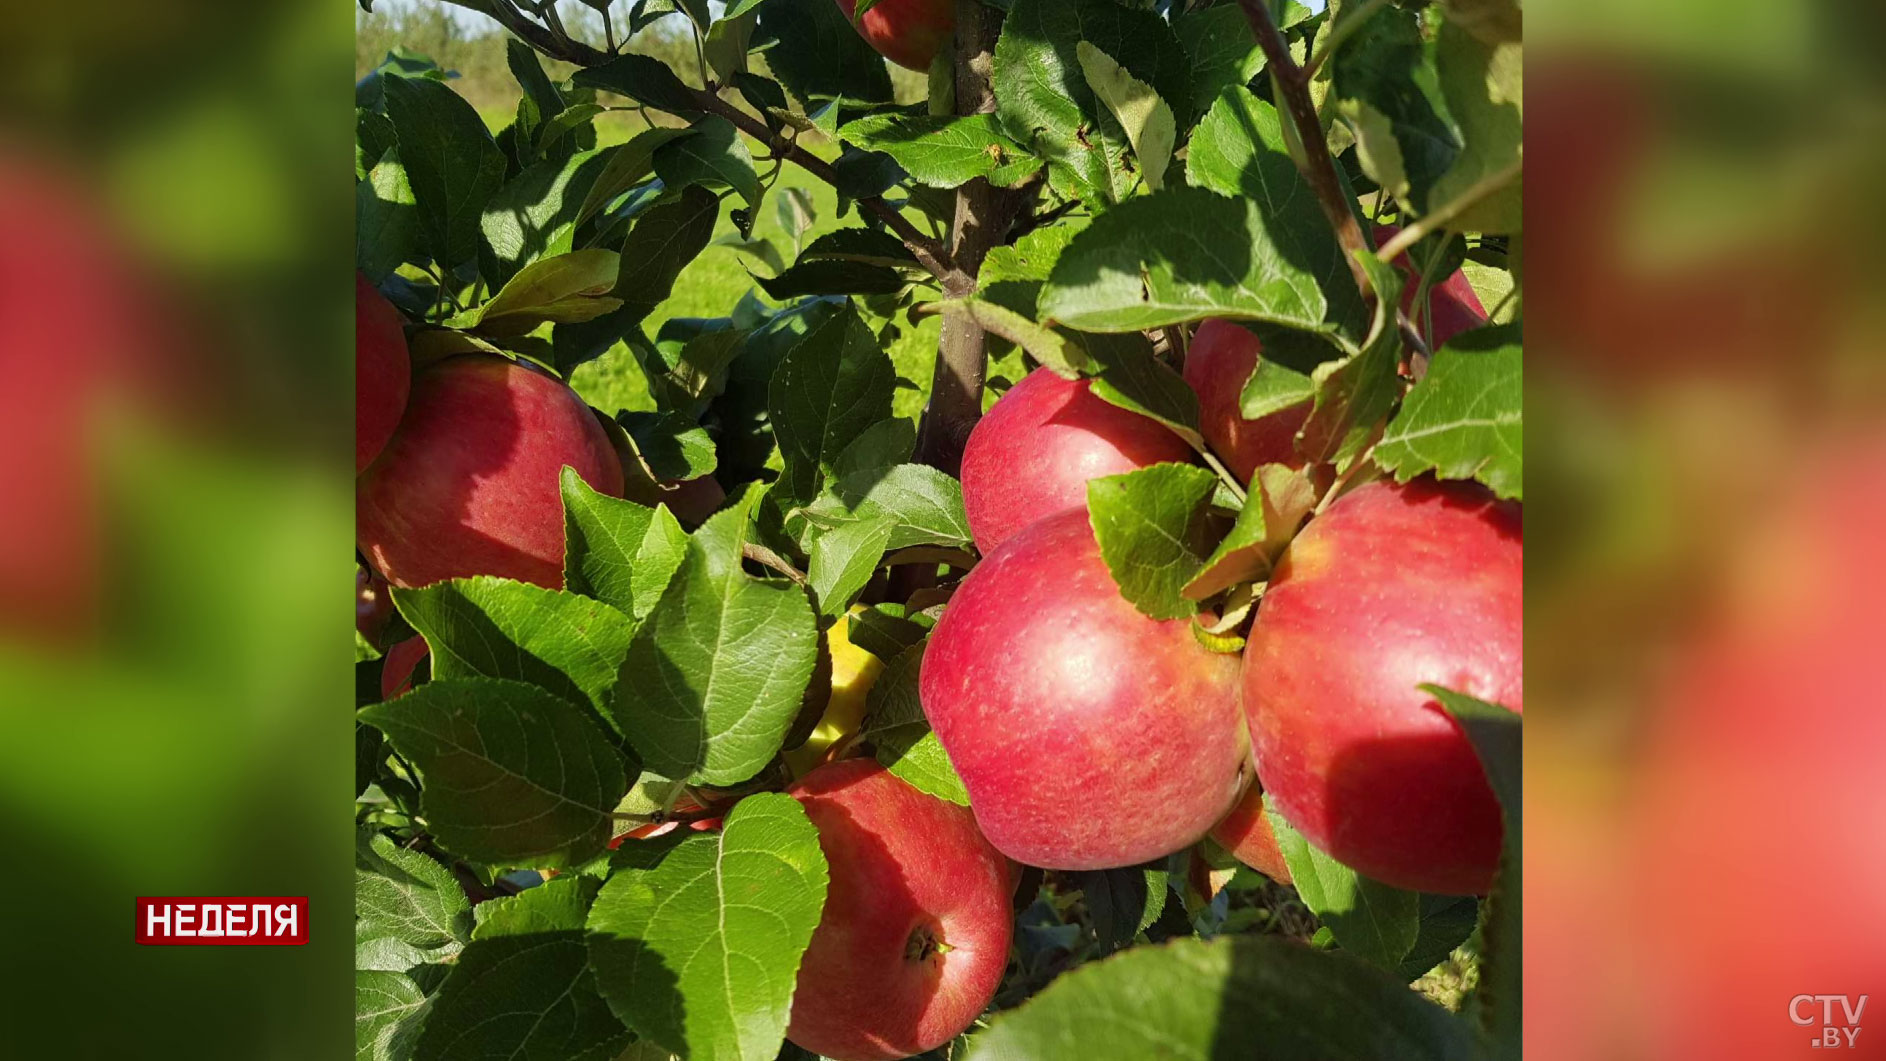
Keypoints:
pixel 1480 189
pixel 1224 473
pixel 555 45
pixel 765 557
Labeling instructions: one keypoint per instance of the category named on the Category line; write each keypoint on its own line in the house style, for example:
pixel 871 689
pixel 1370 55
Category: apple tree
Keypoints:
pixel 1132 670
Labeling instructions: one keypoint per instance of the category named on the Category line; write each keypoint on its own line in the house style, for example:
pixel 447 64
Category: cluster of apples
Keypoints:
pixel 1090 736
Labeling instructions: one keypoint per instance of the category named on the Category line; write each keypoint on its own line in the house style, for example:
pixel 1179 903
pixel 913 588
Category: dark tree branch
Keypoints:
pixel 548 39
pixel 984 215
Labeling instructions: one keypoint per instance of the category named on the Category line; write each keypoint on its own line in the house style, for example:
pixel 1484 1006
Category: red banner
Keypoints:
pixel 222 921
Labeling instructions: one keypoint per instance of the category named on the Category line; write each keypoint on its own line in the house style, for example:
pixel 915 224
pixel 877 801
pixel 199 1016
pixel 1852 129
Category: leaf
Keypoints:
pixel 644 79
pixel 713 678
pixel 496 628
pixel 1061 351
pixel 700 953
pixel 1012 276
pixel 1355 394
pixel 1043 98
pixel 820 56
pixel 1447 921
pixel 831 278
pixel 831 386
pixel 558 905
pixel 924 505
pixel 406 895
pixel 1386 86
pixel 1148 262
pixel 1272 388
pixel 899 732
pixel 626 165
pixel 1368 918
pixel 944 151
pixel 1223 52
pixel 524 989
pixel 727 43
pixel 1146 118
pixel 535 214
pixel 885 631
pixel 512 773
pixel 1132 378
pixel 662 243
pixel 1239 151
pixel 567 289
pixel 389 1010
pixel 1496 734
pixel 714 155
pixel 386 220
pixel 1464 420
pixel 868 245
pixel 452 162
pixel 530 76
pixel 1123 902
pixel 1482 84
pixel 1235 996
pixel 843 561
pixel 621 553
pixel 1280 499
pixel 1149 525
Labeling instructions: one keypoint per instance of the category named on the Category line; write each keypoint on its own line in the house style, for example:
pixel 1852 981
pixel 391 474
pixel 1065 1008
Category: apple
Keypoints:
pixel 1455 306
pixel 1219 361
pixel 1392 587
pixel 1032 454
pixel 915 934
pixel 1088 735
pixel 854 671
pixel 1247 834
pixel 382 372
pixel 373 604
pixel 469 485
pixel 909 33
pixel 399 664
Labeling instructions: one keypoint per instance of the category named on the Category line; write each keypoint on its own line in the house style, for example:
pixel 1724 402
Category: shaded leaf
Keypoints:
pixel 1150 527
pixel 617 551
pixel 899 732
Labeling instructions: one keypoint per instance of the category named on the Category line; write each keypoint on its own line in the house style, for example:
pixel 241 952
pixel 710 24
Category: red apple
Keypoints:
pixel 399 664
pixel 1456 308
pixel 1033 453
pixel 915 934
pixel 909 33
pixel 1088 735
pixel 470 483
pixel 1247 834
pixel 382 372
pixel 1392 587
pixel 373 604
pixel 1218 363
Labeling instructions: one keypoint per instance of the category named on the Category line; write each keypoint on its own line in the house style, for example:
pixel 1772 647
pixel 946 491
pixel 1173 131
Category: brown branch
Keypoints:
pixel 547 39
pixel 984 215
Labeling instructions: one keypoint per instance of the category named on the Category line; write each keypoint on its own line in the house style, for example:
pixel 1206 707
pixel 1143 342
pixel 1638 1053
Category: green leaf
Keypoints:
pixel 389 1011
pixel 1280 499
pixel 1483 86
pixel 524 989
pixel 531 77
pixel 1150 527
pixel 1145 117
pixel 1496 734
pixel 1239 151
pixel 621 553
pixel 513 774
pixel 1013 276
pixel 1235 996
pixel 820 56
pixel 899 732
pixel 1123 902
pixel 714 155
pixel 727 43
pixel 843 561
pixel 1143 264
pixel 832 385
pixel 535 213
pixel 626 165
pixel 1355 394
pixel 386 220
pixel 885 631
pixel 1043 98
pixel 496 628
pixel 407 895
pixel 1060 350
pixel 700 952
pixel 1447 921
pixel 644 79
pixel 1132 378
pixel 451 160
pixel 567 289
pixel 1368 918
pixel 662 243
pixel 1224 53
pixel 1387 88
pixel 924 505
pixel 831 278
pixel 867 245
pixel 713 677
pixel 1464 420
pixel 1272 388
pixel 942 151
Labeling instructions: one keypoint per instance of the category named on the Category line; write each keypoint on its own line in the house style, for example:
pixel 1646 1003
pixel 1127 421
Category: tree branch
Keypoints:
pixel 984 215
pixel 548 40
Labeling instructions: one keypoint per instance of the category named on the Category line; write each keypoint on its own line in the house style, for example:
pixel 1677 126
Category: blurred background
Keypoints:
pixel 1706 812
